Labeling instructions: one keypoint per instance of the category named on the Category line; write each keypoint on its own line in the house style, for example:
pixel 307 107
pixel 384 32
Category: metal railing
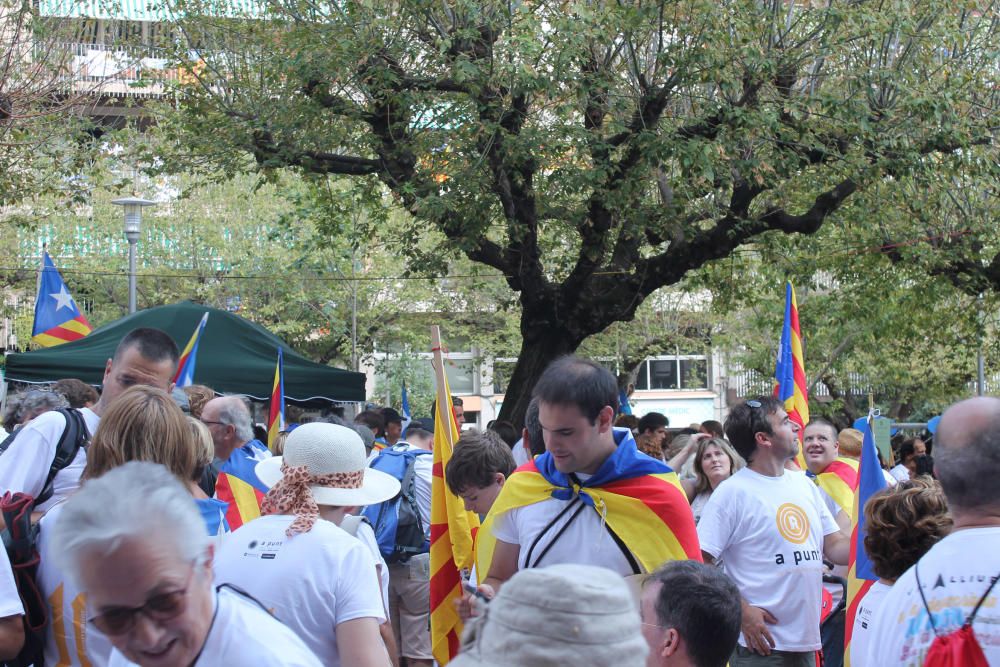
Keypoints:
pixel 110 68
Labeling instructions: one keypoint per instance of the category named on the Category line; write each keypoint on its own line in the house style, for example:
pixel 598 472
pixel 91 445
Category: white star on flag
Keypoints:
pixel 63 299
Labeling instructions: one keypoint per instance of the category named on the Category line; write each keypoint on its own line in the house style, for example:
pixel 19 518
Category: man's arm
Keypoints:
pixel 844 521
pixel 359 644
pixel 504 564
pixel 837 547
pixel 754 622
pixel 11 636
pixel 25 465
pixel 681 457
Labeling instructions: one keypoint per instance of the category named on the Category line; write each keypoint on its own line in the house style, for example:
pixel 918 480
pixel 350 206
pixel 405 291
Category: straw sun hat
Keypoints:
pixel 328 449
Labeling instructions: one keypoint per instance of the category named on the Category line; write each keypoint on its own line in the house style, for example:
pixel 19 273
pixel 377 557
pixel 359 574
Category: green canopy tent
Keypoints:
pixel 235 356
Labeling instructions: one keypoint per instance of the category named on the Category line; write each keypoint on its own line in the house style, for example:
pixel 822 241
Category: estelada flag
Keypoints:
pixel 185 367
pixel 276 411
pixel 789 371
pixel 453 530
pixel 239 486
pixel 58 320
pixel 860 573
pixel 840 481
pixel 640 498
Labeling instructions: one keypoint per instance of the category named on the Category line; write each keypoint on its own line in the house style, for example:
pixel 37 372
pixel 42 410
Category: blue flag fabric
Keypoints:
pixel 626 462
pixel 407 418
pixel 57 317
pixel 624 407
pixel 870 481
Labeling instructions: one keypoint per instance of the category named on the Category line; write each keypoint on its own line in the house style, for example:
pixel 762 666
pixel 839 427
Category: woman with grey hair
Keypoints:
pixel 134 543
pixel 35 402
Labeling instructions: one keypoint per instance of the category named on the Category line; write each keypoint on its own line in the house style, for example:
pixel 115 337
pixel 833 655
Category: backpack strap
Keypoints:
pixel 5 445
pixel 548 527
pixel 975 610
pixel 74 436
pixel 923 598
pixel 407 488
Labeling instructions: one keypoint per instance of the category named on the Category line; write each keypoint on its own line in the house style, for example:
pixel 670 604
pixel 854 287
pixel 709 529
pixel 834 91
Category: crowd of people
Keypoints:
pixel 169 534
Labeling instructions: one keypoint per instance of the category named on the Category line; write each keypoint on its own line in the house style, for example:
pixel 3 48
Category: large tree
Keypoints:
pixel 594 152
pixel 43 128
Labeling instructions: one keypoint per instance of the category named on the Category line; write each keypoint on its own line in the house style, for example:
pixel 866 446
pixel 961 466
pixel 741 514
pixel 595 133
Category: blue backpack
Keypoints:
pixel 399 530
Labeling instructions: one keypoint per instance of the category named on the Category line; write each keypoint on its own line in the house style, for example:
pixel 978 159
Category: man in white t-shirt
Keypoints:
pixel 144 357
pixel 771 530
pixel 937 595
pixel 314 577
pixel 133 542
pixel 11 612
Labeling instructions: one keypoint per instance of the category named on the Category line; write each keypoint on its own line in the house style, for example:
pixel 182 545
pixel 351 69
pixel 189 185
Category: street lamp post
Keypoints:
pixel 133 217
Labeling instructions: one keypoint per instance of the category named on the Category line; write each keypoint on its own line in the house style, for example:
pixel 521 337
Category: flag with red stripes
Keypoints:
pixel 243 499
pixel 840 481
pixel 452 528
pixel 790 373
pixel 58 319
pixel 276 411
pixel 186 365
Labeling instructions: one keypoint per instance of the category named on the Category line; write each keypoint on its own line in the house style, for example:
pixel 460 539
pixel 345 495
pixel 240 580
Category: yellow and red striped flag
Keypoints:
pixel 58 320
pixel 276 410
pixel 186 365
pixel 840 482
pixel 452 528
pixel 790 373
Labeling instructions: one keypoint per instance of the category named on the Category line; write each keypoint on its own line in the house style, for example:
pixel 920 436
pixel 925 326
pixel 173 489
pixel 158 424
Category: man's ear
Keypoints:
pixel 605 418
pixel 500 478
pixel 209 557
pixel 107 371
pixel 762 439
pixel 671 642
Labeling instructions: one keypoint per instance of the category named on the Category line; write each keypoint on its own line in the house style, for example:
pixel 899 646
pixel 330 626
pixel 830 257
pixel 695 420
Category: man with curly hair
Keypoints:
pixel 901 524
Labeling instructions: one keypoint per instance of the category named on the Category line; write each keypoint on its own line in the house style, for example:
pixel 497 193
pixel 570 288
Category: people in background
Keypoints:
pixel 715 461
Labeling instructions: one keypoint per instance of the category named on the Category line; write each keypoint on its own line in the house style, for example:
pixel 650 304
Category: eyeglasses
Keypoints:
pixel 756 405
pixel 163 607
pixel 208 422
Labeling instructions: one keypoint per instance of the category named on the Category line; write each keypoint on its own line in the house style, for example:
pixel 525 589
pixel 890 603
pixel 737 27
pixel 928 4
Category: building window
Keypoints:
pixel 673 373
pixel 461 375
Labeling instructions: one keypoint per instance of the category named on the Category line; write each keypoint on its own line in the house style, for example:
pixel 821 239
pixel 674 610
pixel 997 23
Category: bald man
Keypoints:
pixel 962 569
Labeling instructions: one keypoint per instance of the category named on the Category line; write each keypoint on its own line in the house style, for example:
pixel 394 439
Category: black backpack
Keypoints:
pixel 20 539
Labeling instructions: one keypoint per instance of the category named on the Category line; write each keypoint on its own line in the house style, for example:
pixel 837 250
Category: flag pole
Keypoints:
pixel 452 529
pixel 443 398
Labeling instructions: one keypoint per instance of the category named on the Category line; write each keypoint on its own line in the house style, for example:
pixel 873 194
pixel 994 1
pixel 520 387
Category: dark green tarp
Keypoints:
pixel 235 356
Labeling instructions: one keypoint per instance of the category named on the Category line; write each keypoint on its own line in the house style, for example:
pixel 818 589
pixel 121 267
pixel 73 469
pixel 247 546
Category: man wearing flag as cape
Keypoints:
pixel 591 498
pixel 837 479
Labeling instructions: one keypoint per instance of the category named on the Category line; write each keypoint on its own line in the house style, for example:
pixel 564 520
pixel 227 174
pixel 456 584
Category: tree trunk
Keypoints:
pixel 537 352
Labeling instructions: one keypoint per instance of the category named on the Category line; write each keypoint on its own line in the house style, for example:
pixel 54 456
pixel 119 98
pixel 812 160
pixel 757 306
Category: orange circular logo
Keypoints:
pixel 792 523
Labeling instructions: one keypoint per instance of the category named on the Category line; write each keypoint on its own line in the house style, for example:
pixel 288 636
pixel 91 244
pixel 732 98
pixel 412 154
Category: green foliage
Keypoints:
pixel 593 153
